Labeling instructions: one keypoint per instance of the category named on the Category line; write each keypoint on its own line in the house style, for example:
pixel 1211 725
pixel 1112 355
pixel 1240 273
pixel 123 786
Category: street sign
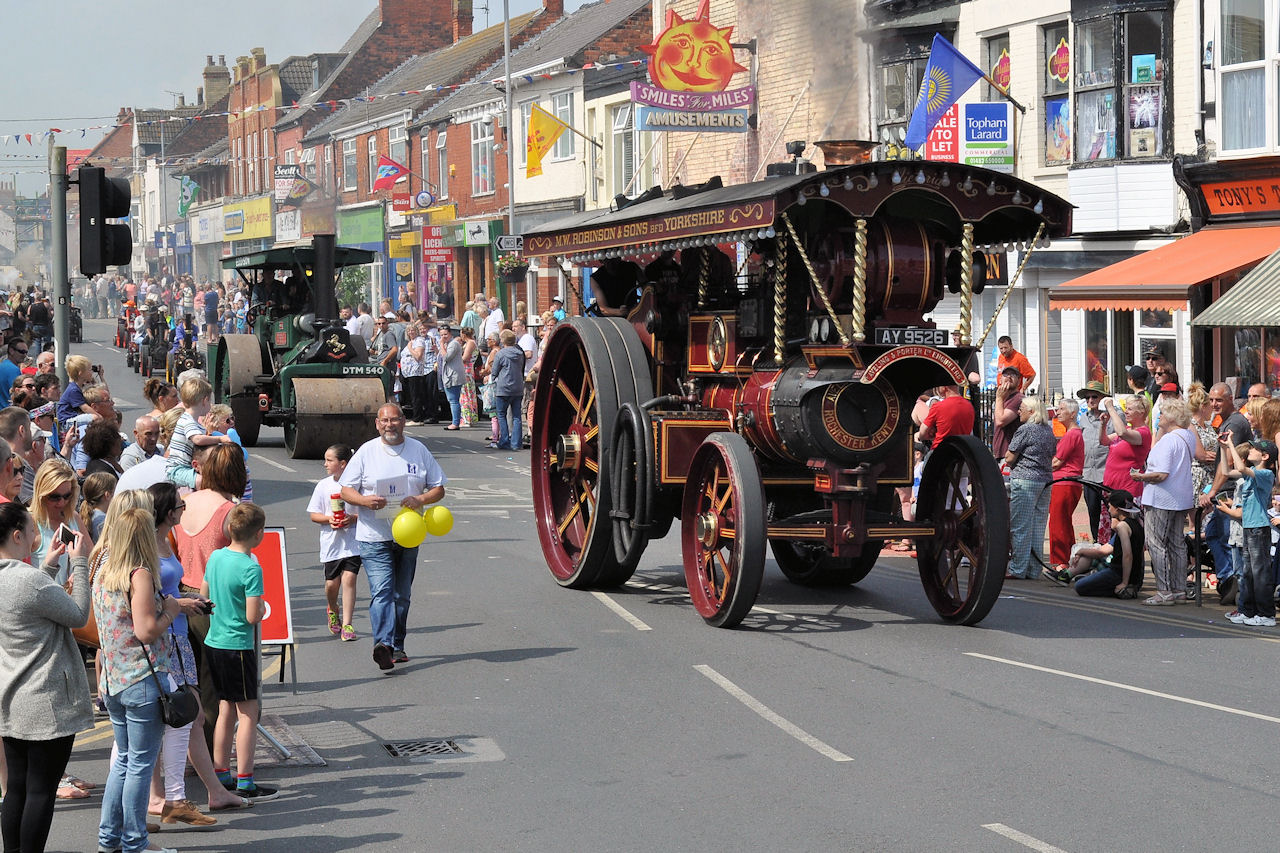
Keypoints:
pixel 510 243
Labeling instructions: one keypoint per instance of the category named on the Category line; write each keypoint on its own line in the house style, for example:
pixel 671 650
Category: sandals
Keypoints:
pixel 1162 599
pixel 68 790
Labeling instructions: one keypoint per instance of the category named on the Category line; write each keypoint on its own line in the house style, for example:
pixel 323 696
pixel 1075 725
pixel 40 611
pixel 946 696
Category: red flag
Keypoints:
pixel 389 171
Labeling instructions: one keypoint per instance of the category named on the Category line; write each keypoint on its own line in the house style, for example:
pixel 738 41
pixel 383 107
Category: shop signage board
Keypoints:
pixel 434 251
pixel 976 134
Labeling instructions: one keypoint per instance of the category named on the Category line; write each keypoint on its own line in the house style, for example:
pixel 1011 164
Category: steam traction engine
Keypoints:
pixel 752 373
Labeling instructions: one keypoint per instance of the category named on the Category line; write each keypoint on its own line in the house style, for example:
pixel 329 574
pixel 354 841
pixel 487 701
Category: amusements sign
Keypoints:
pixel 690 65
pixel 731 218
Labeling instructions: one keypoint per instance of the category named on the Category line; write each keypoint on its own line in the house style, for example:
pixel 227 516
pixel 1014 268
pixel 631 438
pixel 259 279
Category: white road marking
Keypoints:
pixel 1022 838
pixel 771 716
pixel 272 463
pixel 617 608
pixel 1144 691
pixel 122 403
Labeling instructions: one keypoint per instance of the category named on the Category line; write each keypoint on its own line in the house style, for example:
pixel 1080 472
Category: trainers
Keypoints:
pixel 1236 617
pixel 335 624
pixel 185 811
pixel 258 793
pixel 348 633
pixel 1061 577
pixel 1261 621
pixel 399 656
pixel 382 656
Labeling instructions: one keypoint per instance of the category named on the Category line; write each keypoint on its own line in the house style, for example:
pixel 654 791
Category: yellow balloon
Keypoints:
pixel 408 529
pixel 439 520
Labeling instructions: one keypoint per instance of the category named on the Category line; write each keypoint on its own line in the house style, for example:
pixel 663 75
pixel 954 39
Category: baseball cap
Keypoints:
pixel 46 410
pixel 1138 373
pixel 1122 499
pixel 1170 387
pixel 1266 446
pixel 389 316
pixel 1153 352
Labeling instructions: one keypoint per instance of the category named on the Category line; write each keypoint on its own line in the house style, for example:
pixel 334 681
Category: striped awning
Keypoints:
pixel 1254 300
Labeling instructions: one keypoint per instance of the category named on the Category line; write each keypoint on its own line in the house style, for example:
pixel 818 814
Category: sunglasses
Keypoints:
pixel 22 351
pixel 59 497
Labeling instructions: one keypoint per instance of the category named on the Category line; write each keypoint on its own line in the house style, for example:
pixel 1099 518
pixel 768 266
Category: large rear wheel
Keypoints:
pixel 722 530
pixel 235 382
pixel 962 497
pixel 574 409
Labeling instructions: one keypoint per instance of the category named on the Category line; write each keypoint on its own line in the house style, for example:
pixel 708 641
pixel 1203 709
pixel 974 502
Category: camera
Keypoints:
pixel 97 368
pixel 206 607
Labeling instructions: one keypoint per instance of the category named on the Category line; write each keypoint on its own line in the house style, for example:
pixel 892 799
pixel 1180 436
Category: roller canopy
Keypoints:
pixel 1002 208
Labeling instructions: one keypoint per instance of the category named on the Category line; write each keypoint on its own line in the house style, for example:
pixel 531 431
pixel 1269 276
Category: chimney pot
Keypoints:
pixel 554 8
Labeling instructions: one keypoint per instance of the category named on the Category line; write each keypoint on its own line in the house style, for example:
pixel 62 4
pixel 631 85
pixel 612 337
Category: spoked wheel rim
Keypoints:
pixel 962 497
pixel 575 405
pixel 723 530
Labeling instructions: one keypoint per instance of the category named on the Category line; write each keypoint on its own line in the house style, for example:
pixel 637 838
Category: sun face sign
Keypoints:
pixel 692 55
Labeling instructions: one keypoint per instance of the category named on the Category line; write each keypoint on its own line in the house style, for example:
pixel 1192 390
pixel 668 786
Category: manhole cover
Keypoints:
pixel 411 749
pixel 458 749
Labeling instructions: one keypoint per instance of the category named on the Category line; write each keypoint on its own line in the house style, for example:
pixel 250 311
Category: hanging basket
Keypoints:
pixel 515 274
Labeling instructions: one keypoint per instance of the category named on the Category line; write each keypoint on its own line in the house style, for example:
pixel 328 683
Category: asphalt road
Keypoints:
pixel 831 720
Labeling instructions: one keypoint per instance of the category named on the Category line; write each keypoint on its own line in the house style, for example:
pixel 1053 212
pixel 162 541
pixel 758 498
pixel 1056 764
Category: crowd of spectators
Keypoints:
pixel 1149 465
pixel 106 557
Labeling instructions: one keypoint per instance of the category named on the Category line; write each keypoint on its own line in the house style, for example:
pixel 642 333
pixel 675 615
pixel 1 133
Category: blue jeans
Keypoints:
pixel 1103 582
pixel 1257 581
pixel 454 394
pixel 1029 514
pixel 1215 536
pixel 509 436
pixel 390 570
pixel 139 729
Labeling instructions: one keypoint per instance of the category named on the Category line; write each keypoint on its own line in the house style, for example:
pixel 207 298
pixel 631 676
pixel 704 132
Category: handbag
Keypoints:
pixel 486 398
pixel 180 707
pixel 87 635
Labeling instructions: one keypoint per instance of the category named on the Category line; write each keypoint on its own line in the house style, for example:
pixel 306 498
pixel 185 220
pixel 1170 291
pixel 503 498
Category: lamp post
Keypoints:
pixel 511 149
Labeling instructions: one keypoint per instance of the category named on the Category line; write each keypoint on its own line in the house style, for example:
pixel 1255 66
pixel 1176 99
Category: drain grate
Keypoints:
pixel 419 749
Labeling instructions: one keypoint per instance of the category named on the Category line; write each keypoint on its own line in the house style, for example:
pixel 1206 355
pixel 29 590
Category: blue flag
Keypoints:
pixel 947 76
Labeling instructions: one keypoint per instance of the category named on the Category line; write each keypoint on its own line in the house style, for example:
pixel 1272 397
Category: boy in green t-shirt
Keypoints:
pixel 233 582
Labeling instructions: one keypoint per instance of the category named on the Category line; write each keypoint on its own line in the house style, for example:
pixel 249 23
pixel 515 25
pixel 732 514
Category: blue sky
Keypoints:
pixel 74 63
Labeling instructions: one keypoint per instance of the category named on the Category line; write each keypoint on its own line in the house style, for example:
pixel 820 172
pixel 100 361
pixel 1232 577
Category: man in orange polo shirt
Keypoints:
pixel 1010 357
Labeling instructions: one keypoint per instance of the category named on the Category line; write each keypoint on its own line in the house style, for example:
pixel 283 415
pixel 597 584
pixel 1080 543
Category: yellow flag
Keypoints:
pixel 544 129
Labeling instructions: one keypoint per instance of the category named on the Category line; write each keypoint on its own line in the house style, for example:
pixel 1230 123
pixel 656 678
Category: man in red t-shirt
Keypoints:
pixel 1010 357
pixel 952 414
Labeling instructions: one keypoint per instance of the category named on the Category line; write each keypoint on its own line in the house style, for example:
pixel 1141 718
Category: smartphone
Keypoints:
pixel 66 535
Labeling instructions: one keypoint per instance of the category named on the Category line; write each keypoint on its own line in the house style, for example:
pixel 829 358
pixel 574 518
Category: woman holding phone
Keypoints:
pixel 53 505
pixel 46 697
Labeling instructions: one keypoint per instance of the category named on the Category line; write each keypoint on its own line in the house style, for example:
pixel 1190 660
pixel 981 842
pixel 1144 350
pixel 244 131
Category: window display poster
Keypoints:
pixel 1144 121
pixel 1057 130
pixel 1143 68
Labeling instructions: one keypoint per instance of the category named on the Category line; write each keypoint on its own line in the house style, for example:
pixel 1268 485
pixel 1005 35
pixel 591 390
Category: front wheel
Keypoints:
pixel 722 531
pixel 962 497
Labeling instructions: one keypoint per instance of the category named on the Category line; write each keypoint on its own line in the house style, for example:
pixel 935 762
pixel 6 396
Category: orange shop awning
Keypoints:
pixel 1161 278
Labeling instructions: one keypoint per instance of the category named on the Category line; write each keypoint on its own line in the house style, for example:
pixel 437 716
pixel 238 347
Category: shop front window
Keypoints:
pixel 1096 351
pixel 1248 357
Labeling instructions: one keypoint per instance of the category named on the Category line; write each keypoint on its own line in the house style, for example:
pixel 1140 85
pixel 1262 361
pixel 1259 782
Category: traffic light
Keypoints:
pixel 102 244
